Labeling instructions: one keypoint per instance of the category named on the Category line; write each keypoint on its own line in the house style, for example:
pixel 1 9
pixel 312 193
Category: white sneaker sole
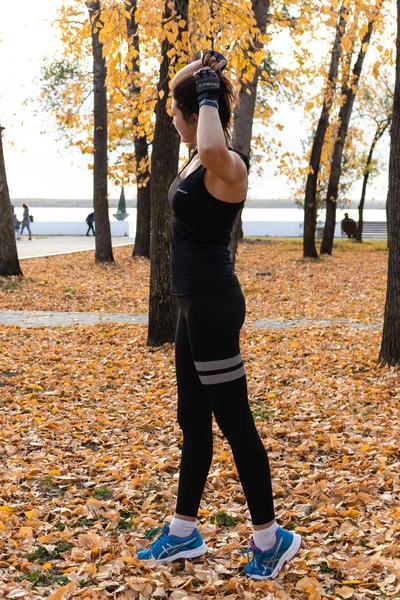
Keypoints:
pixel 289 554
pixel 203 549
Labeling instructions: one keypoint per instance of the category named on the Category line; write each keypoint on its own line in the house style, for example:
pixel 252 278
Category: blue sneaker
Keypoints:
pixel 267 565
pixel 169 547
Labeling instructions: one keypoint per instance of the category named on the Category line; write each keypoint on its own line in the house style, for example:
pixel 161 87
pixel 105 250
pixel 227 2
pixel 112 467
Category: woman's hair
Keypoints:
pixel 186 97
pixel 25 206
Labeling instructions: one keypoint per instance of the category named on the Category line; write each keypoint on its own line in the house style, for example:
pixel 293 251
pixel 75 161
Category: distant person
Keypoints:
pixel 26 221
pixel 16 224
pixel 90 221
pixel 349 226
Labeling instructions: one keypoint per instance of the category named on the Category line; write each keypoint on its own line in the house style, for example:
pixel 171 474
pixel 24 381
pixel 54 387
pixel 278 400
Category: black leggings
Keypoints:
pixel 211 379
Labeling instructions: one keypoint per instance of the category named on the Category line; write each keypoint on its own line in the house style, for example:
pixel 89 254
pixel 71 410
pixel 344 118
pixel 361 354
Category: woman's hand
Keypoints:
pixel 207 84
pixel 215 60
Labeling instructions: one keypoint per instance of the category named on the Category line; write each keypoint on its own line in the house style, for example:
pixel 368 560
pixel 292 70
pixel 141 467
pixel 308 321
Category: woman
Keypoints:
pixel 16 223
pixel 26 221
pixel 206 197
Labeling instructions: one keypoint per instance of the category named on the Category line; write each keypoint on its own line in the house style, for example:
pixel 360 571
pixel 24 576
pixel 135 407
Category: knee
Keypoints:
pixel 233 423
pixel 196 423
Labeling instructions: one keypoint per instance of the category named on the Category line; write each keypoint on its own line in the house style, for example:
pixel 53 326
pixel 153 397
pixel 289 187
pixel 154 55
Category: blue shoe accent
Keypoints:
pixel 167 547
pixel 267 565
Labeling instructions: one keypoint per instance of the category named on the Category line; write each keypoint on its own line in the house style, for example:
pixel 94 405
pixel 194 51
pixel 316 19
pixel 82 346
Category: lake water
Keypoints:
pixel 79 214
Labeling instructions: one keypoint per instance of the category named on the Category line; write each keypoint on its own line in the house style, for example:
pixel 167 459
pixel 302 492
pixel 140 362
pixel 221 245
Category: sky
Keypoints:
pixel 38 164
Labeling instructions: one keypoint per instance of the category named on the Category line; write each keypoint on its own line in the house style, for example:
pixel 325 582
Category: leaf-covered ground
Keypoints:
pixel 277 282
pixel 90 445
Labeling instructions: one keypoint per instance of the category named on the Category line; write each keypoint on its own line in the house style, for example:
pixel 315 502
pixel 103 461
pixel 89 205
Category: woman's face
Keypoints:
pixel 186 129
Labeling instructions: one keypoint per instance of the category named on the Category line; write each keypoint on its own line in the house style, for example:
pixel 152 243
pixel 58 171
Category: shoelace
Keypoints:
pixel 153 532
pixel 247 552
pixel 157 544
pixel 259 559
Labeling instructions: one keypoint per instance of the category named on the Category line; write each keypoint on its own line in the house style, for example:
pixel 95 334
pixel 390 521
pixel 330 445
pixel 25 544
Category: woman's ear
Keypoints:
pixel 194 118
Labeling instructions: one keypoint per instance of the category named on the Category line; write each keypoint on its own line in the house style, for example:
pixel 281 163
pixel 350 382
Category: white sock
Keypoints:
pixel 181 528
pixel 265 539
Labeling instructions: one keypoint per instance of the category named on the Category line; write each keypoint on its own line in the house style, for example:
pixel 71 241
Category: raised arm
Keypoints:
pixel 211 143
pixel 211 58
pixel 186 71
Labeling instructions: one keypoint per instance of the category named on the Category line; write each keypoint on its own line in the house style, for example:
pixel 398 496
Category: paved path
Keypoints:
pixel 63 319
pixel 42 318
pixel 290 323
pixel 61 244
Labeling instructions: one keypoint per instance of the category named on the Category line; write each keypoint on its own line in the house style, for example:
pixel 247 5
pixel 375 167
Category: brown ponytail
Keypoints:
pixel 186 97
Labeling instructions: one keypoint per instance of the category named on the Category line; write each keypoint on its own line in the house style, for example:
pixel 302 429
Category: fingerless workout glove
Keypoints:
pixel 217 55
pixel 207 85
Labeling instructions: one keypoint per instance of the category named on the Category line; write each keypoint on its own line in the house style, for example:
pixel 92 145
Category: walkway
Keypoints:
pixel 62 244
pixel 65 319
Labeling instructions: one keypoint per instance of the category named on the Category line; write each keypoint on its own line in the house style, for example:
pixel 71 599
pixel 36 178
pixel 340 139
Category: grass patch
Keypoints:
pixel 84 522
pixel 224 520
pixel 323 567
pixel 85 583
pixel 125 520
pixel 264 415
pixel 41 553
pixel 45 578
pixel 103 493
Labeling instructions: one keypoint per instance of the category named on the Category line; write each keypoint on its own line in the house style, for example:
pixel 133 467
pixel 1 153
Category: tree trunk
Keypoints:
pixel 310 199
pixel 163 310
pixel 349 91
pixel 390 348
pixel 9 263
pixel 100 160
pixel 380 130
pixel 244 114
pixel 143 206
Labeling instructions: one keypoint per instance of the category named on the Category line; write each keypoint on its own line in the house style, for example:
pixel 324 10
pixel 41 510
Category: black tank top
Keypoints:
pixel 200 235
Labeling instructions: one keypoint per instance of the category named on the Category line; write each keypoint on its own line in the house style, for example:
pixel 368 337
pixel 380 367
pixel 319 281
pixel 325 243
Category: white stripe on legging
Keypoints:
pixel 222 377
pixel 216 365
